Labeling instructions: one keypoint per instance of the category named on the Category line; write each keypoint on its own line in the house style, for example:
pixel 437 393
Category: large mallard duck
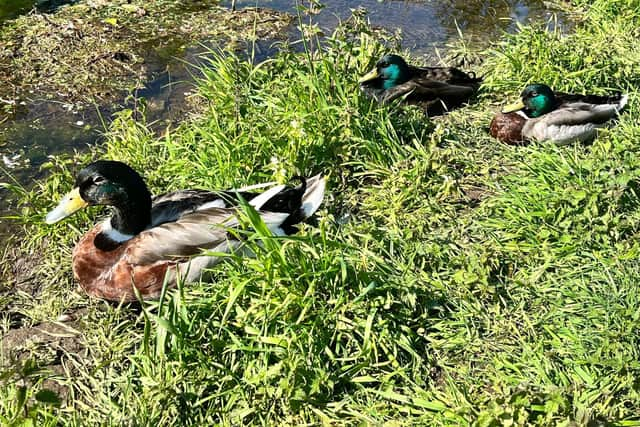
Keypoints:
pixel 544 115
pixel 436 89
pixel 148 238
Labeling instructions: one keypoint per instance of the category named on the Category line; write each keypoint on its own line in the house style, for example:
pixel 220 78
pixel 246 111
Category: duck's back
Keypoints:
pixel 169 207
pixel 449 75
pixel 569 98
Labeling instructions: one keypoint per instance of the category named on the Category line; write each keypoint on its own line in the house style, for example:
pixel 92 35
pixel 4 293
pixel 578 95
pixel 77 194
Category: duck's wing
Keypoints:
pixel 618 99
pixel 574 122
pixel 444 85
pixel 449 75
pixel 191 234
pixel 430 90
pixel 209 228
pixel 580 113
pixel 171 206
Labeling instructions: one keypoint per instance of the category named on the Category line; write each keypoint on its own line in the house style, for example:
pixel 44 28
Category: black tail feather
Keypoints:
pixel 289 200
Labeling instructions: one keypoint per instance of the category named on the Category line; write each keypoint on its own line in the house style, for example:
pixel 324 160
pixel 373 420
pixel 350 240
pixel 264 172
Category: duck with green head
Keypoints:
pixel 544 115
pixel 149 243
pixel 436 89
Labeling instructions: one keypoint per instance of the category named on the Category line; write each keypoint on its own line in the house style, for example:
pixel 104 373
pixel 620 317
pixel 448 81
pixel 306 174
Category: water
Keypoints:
pixel 43 128
pixel 426 25
pixel 10 9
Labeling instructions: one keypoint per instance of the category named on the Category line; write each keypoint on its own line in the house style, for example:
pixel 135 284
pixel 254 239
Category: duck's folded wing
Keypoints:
pixel 425 89
pixel 171 206
pixel 618 99
pixel 449 75
pixel 576 122
pixel 580 113
pixel 190 235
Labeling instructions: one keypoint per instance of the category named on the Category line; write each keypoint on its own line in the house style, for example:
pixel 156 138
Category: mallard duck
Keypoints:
pixel 436 89
pixel 544 115
pixel 149 238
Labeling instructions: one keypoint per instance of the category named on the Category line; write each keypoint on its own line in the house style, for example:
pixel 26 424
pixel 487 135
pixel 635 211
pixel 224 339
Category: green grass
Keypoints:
pixel 450 280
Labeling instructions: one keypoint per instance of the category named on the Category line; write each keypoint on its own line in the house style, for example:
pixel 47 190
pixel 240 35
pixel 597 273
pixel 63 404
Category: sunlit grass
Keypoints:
pixel 450 280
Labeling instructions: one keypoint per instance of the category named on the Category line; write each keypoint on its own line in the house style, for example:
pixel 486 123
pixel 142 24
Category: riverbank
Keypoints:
pixel 64 73
pixel 450 280
pixel 91 52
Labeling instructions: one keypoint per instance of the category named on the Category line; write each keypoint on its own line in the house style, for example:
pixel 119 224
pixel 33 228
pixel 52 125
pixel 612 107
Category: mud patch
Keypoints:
pixel 19 275
pixel 38 354
pixel 475 194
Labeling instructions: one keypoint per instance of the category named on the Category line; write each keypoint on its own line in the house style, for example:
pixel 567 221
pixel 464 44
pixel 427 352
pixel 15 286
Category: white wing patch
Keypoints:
pixel 312 198
pixel 263 198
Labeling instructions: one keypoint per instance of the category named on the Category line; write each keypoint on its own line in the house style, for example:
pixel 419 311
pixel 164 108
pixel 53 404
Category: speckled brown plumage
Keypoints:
pixel 435 97
pixel 508 128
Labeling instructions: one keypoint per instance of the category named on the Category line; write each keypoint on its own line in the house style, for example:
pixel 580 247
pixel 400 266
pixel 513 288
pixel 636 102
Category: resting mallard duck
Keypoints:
pixel 148 237
pixel 545 115
pixel 436 89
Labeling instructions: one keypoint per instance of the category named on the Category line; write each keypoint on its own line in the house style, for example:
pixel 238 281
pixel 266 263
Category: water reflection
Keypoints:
pixel 427 24
pixel 42 128
pixel 486 19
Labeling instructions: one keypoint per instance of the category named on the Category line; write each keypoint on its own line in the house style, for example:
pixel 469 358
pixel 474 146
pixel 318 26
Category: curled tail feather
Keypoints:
pixel 299 202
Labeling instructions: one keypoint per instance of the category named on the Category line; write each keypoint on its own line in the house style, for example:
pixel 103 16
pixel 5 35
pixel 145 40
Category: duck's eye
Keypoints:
pixel 534 94
pixel 99 180
pixel 384 64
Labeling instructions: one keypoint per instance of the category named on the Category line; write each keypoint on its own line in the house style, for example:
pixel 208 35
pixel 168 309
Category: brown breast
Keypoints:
pixel 508 128
pixel 107 273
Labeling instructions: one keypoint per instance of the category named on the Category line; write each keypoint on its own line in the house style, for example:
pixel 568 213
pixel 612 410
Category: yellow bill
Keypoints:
pixel 371 75
pixel 513 107
pixel 69 204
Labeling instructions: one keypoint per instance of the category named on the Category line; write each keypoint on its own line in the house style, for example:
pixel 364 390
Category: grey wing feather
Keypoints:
pixel 182 238
pixel 449 75
pixel 580 113
pixel 190 235
pixel 562 135
pixel 180 195
pixel 170 206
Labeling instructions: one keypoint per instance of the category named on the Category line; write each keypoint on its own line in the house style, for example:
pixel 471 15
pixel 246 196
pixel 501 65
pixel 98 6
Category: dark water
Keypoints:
pixel 425 25
pixel 42 128
pixel 10 9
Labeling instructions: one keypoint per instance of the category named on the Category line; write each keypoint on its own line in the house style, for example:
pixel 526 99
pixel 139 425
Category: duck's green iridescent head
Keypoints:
pixel 110 183
pixel 536 100
pixel 390 71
